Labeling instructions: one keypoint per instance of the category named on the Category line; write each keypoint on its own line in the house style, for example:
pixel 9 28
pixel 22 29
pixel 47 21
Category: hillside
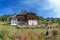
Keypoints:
pixel 41 20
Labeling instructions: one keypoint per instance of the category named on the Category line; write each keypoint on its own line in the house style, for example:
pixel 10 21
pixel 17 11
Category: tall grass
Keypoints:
pixel 8 32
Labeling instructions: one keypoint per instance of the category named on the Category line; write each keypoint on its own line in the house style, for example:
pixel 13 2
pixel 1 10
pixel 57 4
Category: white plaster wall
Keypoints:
pixel 29 22
pixel 14 22
pixel 32 22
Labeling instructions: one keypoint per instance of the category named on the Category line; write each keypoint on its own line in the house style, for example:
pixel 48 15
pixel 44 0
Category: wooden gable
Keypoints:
pixel 31 16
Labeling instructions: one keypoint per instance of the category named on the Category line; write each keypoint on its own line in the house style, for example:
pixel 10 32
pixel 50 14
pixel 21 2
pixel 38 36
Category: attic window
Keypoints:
pixel 30 18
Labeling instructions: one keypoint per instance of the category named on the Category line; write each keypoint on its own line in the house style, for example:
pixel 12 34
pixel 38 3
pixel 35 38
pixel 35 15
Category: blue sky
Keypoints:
pixel 45 8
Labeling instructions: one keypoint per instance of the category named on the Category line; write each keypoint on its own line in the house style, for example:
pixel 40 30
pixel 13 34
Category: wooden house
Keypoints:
pixel 25 18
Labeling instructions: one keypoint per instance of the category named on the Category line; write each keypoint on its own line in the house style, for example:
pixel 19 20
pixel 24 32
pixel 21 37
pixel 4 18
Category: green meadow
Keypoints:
pixel 21 32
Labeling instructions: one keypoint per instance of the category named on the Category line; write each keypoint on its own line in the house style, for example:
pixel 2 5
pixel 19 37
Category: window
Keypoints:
pixel 30 18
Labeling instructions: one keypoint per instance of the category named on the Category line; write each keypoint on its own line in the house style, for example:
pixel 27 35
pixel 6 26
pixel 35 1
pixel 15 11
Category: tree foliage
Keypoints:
pixel 48 20
pixel 4 17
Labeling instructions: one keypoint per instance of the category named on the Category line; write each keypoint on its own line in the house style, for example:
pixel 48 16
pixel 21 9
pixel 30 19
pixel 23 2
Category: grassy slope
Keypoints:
pixel 9 27
pixel 12 29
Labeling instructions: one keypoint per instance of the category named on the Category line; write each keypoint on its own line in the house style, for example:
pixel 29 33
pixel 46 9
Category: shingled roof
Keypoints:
pixel 22 12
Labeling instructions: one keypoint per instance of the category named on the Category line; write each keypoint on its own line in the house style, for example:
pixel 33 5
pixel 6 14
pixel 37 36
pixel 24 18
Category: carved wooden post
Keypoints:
pixel 47 29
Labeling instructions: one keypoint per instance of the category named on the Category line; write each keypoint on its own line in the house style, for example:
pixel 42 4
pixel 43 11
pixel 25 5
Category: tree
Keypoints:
pixel 4 17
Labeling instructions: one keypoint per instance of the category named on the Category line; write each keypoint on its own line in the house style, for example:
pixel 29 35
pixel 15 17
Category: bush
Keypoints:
pixel 54 32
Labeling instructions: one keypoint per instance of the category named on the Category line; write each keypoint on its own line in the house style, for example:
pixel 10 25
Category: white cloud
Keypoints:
pixel 56 5
pixel 31 3
pixel 46 5
pixel 37 3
